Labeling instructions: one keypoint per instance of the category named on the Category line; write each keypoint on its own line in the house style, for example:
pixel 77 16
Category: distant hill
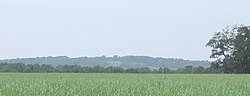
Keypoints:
pixel 124 62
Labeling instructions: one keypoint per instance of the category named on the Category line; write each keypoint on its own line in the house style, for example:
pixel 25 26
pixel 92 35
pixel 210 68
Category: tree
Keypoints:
pixel 114 69
pixel 242 49
pixel 145 70
pixel 232 48
pixel 46 68
pixel 199 69
pixel 98 69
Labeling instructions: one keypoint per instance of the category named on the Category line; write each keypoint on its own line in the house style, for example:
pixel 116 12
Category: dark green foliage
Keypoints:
pixel 232 48
pixel 36 68
pixel 114 69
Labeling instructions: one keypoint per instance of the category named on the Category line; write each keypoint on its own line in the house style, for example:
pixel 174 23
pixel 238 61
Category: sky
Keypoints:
pixel 76 28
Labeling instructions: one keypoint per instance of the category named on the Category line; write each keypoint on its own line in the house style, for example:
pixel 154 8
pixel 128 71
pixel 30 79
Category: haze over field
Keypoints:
pixel 158 28
pixel 117 61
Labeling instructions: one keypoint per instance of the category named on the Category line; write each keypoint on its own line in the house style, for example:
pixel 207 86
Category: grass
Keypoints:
pixel 66 84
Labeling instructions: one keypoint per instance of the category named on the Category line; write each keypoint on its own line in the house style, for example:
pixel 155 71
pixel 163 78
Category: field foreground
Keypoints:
pixel 66 84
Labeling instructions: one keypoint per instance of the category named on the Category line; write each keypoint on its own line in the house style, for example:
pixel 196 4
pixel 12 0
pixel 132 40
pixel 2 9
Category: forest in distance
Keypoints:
pixel 103 64
pixel 118 61
pixel 44 68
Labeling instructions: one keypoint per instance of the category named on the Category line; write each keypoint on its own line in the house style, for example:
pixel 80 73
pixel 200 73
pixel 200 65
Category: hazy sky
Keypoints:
pixel 158 28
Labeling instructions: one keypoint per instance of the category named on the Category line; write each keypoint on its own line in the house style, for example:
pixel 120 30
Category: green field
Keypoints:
pixel 65 84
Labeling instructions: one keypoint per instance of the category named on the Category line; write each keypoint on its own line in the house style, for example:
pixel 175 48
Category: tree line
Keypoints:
pixel 44 68
pixel 103 61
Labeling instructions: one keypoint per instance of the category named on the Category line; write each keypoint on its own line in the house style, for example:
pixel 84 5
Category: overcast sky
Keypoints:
pixel 158 28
